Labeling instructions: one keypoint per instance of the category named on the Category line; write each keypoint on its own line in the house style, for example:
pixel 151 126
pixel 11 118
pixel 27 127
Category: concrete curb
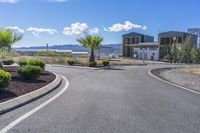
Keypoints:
pixel 91 68
pixel 150 72
pixel 29 97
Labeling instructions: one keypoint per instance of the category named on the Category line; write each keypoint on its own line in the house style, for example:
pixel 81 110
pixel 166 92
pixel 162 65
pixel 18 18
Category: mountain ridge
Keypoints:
pixel 107 48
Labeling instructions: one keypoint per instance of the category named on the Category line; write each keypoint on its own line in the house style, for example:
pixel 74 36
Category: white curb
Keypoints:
pixel 173 84
pixel 29 97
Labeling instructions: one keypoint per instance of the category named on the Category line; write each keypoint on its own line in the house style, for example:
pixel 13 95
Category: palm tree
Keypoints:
pixel 7 39
pixel 91 42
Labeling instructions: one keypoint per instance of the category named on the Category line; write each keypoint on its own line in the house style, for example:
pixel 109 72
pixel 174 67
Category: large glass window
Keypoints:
pixel 137 40
pixel 133 40
pixel 128 41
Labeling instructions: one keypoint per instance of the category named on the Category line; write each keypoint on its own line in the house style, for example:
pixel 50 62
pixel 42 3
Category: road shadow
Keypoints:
pixel 113 68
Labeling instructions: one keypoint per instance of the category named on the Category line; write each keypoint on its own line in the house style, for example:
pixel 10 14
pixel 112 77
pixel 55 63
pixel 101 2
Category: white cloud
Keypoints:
pixel 79 29
pixel 144 28
pixel 124 27
pixel 15 28
pixel 8 1
pixel 37 31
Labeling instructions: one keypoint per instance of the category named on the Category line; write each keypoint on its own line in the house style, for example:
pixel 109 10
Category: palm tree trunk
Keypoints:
pixel 1 66
pixel 92 56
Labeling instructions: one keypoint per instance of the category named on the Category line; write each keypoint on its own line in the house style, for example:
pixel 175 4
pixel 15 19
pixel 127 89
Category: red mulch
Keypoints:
pixel 18 86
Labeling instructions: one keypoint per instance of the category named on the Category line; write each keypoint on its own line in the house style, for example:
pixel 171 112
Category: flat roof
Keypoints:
pixel 147 44
pixel 173 33
pixel 134 34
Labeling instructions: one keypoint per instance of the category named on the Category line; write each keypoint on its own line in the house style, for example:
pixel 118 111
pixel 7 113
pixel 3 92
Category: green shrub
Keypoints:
pixel 92 64
pixel 5 77
pixel 22 63
pixel 36 63
pixel 71 62
pixel 29 72
pixel 8 62
pixel 105 62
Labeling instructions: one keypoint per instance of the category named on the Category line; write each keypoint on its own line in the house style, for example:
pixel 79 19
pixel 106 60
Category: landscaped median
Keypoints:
pixel 24 84
pixel 188 77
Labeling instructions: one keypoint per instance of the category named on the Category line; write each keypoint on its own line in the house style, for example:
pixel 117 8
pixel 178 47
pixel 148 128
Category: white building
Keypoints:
pixel 147 51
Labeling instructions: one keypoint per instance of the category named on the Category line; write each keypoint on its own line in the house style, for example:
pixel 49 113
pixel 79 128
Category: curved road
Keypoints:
pixel 122 100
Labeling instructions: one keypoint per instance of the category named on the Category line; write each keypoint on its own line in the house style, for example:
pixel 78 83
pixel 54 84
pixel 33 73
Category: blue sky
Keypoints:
pixel 62 22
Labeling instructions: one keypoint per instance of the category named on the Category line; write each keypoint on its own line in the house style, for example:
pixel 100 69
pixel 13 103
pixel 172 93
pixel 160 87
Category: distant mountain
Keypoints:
pixel 107 49
pixel 56 47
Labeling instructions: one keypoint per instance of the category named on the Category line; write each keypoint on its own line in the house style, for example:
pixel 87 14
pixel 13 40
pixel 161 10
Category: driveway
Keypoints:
pixel 122 100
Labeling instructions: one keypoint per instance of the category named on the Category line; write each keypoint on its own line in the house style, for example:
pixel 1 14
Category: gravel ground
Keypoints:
pixel 18 86
pixel 182 78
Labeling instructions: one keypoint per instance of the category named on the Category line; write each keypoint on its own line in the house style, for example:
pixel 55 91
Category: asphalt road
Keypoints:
pixel 122 100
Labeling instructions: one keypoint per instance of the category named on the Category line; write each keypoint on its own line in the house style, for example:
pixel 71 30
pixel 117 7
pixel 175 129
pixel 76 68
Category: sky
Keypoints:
pixel 58 22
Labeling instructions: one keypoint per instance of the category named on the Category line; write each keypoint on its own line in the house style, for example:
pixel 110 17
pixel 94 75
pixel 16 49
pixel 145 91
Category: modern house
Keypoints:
pixel 174 37
pixel 140 46
pixel 195 31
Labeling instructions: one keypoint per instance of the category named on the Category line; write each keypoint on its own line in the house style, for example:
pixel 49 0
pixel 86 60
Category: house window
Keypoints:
pixel 137 40
pixel 133 40
pixel 128 41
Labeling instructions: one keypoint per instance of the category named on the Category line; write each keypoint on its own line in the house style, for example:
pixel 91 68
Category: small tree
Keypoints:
pixel 7 39
pixel 172 53
pixel 91 42
pixel 169 55
pixel 185 52
pixel 175 53
pixel 195 55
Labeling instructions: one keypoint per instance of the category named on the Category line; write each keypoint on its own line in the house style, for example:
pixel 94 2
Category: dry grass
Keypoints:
pixel 126 62
pixel 191 70
pixel 79 61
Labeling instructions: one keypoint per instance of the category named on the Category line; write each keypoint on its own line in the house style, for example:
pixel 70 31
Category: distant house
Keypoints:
pixel 174 37
pixel 139 46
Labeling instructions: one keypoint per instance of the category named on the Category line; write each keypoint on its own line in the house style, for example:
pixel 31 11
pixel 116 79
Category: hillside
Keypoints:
pixel 107 49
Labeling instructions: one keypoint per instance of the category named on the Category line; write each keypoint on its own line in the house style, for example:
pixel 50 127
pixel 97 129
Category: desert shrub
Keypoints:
pixel 71 61
pixel 82 63
pixel 60 60
pixel 53 54
pixel 29 72
pixel 39 63
pixel 105 62
pixel 56 60
pixel 167 58
pixel 45 53
pixel 92 64
pixel 5 77
pixel 22 63
pixel 8 62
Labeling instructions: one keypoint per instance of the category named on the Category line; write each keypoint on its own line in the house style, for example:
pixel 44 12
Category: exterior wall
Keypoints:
pixel 195 31
pixel 169 38
pixel 127 50
pixel 131 39
pixel 147 53
pixel 148 39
